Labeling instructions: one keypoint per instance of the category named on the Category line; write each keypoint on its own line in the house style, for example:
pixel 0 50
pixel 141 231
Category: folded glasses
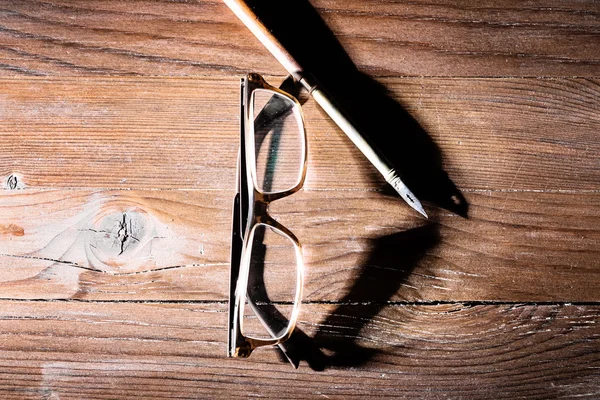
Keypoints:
pixel 267 268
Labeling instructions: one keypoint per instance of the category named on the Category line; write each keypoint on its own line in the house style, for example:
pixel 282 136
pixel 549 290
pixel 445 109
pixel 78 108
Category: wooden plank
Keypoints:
pixel 84 132
pixel 461 38
pixel 385 39
pixel 359 246
pixel 166 244
pixel 96 350
pixel 509 134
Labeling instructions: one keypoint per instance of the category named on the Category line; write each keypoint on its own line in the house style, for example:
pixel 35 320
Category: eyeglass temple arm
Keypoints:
pixel 240 208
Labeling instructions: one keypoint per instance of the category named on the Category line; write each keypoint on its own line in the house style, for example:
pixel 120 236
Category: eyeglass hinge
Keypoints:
pixel 308 83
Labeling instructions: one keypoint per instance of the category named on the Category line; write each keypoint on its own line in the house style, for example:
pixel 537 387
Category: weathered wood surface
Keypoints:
pixel 440 38
pixel 360 246
pixel 182 133
pixel 73 350
pixel 117 191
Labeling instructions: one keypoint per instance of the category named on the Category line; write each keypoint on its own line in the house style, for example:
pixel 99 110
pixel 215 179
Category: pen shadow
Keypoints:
pixel 367 103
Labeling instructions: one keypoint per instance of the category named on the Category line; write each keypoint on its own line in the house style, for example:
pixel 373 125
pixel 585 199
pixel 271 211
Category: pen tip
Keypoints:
pixel 407 195
pixel 420 209
pixel 414 203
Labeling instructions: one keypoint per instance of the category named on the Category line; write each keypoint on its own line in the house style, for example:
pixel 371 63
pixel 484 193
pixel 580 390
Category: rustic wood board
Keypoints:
pixel 72 350
pixel 183 133
pixel 360 246
pixel 437 38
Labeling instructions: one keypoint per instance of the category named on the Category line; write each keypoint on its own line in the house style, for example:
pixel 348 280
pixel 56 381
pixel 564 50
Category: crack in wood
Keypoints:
pixel 125 233
pixel 77 265
pixel 63 262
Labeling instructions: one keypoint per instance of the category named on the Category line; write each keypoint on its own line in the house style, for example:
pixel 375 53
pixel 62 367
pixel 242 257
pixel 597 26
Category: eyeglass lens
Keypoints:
pixel 271 284
pixel 278 140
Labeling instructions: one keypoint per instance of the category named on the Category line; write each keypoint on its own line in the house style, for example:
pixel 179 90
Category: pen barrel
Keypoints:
pixel 243 11
pixel 376 158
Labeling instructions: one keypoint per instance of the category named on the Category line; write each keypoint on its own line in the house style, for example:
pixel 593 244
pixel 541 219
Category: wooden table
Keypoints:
pixel 119 134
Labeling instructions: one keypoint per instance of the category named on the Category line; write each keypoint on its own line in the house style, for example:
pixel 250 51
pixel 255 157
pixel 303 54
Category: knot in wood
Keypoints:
pixel 13 182
pixel 118 236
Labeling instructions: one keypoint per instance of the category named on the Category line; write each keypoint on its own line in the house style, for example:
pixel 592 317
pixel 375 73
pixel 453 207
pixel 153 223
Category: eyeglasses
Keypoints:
pixel 267 267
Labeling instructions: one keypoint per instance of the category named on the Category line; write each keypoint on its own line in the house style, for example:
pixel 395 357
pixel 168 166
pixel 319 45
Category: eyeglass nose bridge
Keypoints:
pixel 260 215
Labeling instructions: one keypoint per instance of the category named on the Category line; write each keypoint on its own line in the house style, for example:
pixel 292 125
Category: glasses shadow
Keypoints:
pixel 379 279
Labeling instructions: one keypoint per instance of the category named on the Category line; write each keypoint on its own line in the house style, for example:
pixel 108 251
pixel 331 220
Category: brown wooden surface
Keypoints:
pixel 116 198
pixel 516 246
pixel 441 38
pixel 76 350
pixel 182 133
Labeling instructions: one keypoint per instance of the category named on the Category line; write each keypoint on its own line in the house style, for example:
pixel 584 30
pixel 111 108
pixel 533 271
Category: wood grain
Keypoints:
pixel 119 139
pixel 499 134
pixel 161 243
pixel 105 350
pixel 359 246
pixel 459 38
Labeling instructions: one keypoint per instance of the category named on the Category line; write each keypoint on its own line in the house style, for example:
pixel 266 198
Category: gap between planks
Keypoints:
pixel 431 303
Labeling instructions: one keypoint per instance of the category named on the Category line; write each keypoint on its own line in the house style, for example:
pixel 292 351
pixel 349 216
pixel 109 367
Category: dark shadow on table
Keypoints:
pixel 404 143
pixel 379 280
pixel 365 101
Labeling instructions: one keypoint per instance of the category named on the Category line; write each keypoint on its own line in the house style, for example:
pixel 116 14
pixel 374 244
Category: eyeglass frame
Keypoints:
pixel 254 203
